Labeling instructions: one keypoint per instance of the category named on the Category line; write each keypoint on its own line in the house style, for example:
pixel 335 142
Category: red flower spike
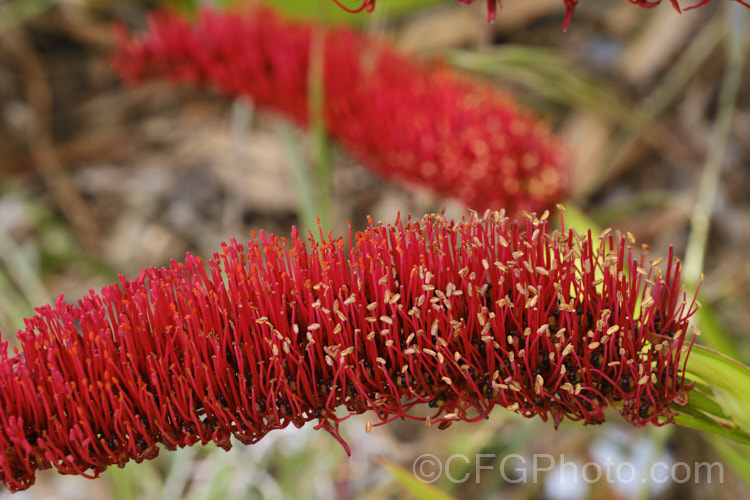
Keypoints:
pixel 570 6
pixel 459 316
pixel 423 124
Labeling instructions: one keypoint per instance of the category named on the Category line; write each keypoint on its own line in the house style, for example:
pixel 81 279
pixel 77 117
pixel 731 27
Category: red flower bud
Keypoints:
pixel 422 124
pixel 460 316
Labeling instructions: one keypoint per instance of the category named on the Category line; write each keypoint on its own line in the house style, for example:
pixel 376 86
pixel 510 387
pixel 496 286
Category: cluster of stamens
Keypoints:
pixel 417 123
pixel 457 316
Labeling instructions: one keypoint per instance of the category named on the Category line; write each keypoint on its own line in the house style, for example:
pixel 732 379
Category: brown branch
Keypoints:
pixel 41 145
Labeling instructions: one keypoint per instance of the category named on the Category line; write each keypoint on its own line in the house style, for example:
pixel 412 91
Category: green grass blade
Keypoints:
pixel 420 490
pixel 728 380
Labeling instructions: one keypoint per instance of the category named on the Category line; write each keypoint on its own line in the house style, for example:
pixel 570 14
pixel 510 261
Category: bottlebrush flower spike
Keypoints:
pixel 460 316
pixel 570 6
pixel 407 121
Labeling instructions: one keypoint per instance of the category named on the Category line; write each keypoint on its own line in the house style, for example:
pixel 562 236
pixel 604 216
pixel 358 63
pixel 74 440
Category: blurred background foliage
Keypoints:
pixel 98 179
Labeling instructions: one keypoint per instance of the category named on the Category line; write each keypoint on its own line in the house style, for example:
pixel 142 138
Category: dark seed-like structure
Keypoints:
pixel 456 316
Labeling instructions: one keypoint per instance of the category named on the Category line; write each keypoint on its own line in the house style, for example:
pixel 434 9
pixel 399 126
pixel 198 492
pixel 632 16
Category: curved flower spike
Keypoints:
pixel 422 124
pixel 458 316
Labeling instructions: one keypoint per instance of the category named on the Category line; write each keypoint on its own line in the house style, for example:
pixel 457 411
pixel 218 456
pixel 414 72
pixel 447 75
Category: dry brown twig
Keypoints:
pixel 41 144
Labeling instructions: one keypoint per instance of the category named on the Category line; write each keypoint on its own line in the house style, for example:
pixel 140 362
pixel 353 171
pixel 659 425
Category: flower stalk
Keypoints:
pixel 457 316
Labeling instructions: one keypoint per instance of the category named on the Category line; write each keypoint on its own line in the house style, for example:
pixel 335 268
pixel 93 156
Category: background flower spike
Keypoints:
pixel 408 121
pixel 456 316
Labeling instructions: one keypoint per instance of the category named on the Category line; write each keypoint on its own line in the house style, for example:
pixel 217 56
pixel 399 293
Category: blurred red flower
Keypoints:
pixel 407 121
